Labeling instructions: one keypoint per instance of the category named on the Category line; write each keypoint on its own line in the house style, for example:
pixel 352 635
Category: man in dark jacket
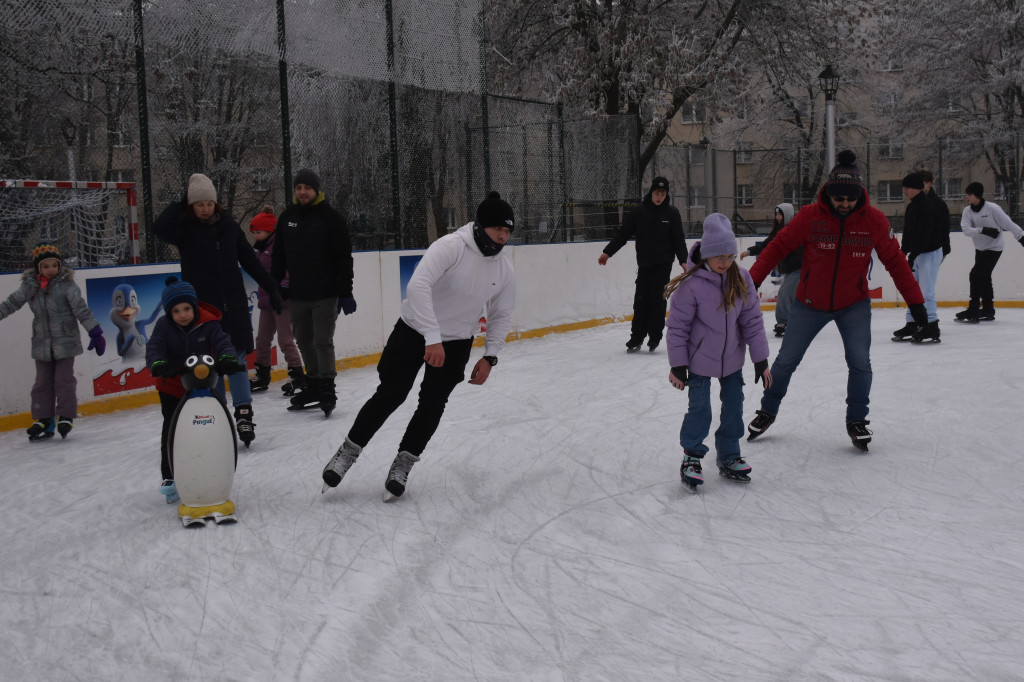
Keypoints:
pixel 658 230
pixel 314 249
pixel 838 233
pixel 926 243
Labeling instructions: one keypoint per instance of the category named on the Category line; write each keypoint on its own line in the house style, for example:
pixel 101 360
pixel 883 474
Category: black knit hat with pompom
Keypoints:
pixel 844 178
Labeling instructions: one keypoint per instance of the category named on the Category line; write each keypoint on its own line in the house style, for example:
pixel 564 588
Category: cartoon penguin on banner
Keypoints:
pixel 204 449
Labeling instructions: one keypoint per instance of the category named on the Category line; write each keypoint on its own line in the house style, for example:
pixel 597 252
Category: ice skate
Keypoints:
pixel 169 490
pixel 780 329
pixel 64 426
pixel 308 398
pixel 261 380
pixel 987 314
pixel 339 465
pixel 41 429
pixel 759 424
pixel 859 434
pixel 929 333
pixel 394 486
pixel 328 396
pixel 296 382
pixel 735 470
pixel 632 348
pixel 244 424
pixel 906 333
pixel 690 473
pixel 970 316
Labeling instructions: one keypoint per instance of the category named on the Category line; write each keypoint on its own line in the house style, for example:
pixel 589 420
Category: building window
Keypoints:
pixel 890 190
pixel 889 149
pixel 744 153
pixel 698 155
pixel 744 195
pixel 697 197
pixel 999 192
pixel 953 188
pixel 791 193
pixel 693 111
pixel 261 180
pixel 892 64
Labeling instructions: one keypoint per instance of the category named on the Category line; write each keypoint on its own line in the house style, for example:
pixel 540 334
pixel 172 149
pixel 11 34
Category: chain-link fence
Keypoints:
pixel 384 100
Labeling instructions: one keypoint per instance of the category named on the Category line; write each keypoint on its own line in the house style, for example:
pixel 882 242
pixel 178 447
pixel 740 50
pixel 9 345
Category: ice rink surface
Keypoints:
pixel 545 534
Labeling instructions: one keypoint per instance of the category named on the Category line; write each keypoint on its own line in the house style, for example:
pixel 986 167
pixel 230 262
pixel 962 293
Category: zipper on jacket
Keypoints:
pixel 835 270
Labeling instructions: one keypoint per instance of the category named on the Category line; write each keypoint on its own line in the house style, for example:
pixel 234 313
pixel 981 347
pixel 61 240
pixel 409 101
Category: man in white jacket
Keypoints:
pixel 461 276
pixel 984 222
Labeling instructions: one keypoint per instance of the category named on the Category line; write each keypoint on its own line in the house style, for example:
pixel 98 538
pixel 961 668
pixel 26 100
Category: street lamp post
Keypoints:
pixel 829 80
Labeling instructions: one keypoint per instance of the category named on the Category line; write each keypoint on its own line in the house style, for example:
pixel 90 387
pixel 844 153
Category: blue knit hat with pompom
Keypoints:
pixel 178 292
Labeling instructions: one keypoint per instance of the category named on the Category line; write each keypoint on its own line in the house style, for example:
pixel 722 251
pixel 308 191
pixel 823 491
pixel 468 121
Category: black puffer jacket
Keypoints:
pixel 926 227
pixel 658 231
pixel 211 252
pixel 312 247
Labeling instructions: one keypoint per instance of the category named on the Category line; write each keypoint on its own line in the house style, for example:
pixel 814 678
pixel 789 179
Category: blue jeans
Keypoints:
pixel 240 389
pixel 854 324
pixel 926 271
pixel 787 294
pixel 697 422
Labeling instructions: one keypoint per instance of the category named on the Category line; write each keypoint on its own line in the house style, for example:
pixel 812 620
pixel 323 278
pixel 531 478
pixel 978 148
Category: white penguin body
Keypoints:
pixel 203 447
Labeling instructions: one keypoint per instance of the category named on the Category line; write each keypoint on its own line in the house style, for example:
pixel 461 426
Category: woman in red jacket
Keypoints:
pixel 838 233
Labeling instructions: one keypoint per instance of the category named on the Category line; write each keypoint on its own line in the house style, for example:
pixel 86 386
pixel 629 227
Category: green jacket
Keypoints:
pixel 55 334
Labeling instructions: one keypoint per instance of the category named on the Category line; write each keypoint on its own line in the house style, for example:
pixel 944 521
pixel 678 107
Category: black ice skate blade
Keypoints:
pixel 692 488
pixel 752 435
pixel 45 435
pixel 257 389
pixel 736 478
pixel 923 342
pixel 863 447
pixel 300 408
pixel 902 339
pixel 965 321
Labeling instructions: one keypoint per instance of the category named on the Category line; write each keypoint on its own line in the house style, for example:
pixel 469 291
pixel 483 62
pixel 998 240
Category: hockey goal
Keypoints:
pixel 92 223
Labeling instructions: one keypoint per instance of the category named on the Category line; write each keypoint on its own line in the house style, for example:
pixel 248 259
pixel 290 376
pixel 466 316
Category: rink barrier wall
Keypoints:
pixel 560 288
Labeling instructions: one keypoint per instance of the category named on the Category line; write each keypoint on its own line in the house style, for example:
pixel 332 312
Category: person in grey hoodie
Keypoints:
pixel 788 268
pixel 57 303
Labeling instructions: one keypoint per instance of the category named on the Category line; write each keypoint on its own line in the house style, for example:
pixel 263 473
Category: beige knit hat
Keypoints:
pixel 200 188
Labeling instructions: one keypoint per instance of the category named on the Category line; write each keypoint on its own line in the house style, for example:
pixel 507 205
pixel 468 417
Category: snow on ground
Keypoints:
pixel 546 536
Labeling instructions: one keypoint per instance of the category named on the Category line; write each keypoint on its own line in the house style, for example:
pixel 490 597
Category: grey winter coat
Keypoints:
pixel 55 334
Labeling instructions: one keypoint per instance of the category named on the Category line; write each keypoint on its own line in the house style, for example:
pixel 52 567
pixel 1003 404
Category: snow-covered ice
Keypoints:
pixel 546 536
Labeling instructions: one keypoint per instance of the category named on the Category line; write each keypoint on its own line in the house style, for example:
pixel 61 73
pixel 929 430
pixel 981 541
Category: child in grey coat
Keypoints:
pixel 56 301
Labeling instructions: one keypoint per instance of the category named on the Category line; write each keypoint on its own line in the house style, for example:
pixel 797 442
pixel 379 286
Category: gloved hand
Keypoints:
pixel 162 368
pixel 227 364
pixel 918 312
pixel 284 292
pixel 97 341
pixel 276 301
pixel 990 232
pixel 759 368
pixel 910 259
pixel 347 304
pixel 679 377
pixel 1021 241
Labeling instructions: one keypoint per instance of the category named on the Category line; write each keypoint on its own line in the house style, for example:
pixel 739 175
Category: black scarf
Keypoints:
pixel 487 246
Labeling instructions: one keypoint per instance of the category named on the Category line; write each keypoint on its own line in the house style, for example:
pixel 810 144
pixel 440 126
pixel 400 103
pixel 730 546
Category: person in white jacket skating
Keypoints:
pixel 461 277
pixel 984 222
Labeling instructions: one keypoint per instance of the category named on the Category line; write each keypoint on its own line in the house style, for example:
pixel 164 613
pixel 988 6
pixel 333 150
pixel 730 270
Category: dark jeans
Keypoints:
pixel 168 404
pixel 313 323
pixel 399 364
pixel 649 304
pixel 981 277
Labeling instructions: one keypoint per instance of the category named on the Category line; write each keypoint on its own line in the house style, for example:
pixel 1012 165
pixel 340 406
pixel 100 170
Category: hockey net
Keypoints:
pixel 92 223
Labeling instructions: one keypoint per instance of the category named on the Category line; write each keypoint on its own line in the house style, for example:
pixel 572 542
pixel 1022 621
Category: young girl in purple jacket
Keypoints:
pixel 714 314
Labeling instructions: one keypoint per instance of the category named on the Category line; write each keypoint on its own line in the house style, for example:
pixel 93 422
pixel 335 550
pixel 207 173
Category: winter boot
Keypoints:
pixel 927 334
pixel 759 424
pixel 169 490
pixel 859 434
pixel 780 328
pixel 339 465
pixel 308 397
pixel 64 426
pixel 328 395
pixel 399 474
pixel 690 471
pixel 41 429
pixel 906 333
pixel 261 380
pixel 296 381
pixel 735 470
pixel 244 424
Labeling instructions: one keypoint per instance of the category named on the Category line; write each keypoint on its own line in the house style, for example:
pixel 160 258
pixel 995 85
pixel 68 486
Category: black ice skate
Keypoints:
pixel 328 396
pixel 244 424
pixel 64 426
pixel 735 470
pixel 987 314
pixel 261 380
pixel 780 329
pixel 41 429
pixel 927 334
pixel 690 473
pixel 308 398
pixel 296 382
pixel 398 475
pixel 859 434
pixel 759 424
pixel 906 333
pixel 971 315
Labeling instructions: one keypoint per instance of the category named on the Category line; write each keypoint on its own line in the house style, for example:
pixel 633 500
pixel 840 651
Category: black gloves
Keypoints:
pixel 347 304
pixel 681 373
pixel 227 364
pixel 759 369
pixel 276 301
pixel 990 232
pixel 919 314
pixel 1021 241
pixel 162 368
pixel 910 259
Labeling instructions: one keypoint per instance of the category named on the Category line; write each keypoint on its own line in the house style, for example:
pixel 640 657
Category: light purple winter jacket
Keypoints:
pixel 707 339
